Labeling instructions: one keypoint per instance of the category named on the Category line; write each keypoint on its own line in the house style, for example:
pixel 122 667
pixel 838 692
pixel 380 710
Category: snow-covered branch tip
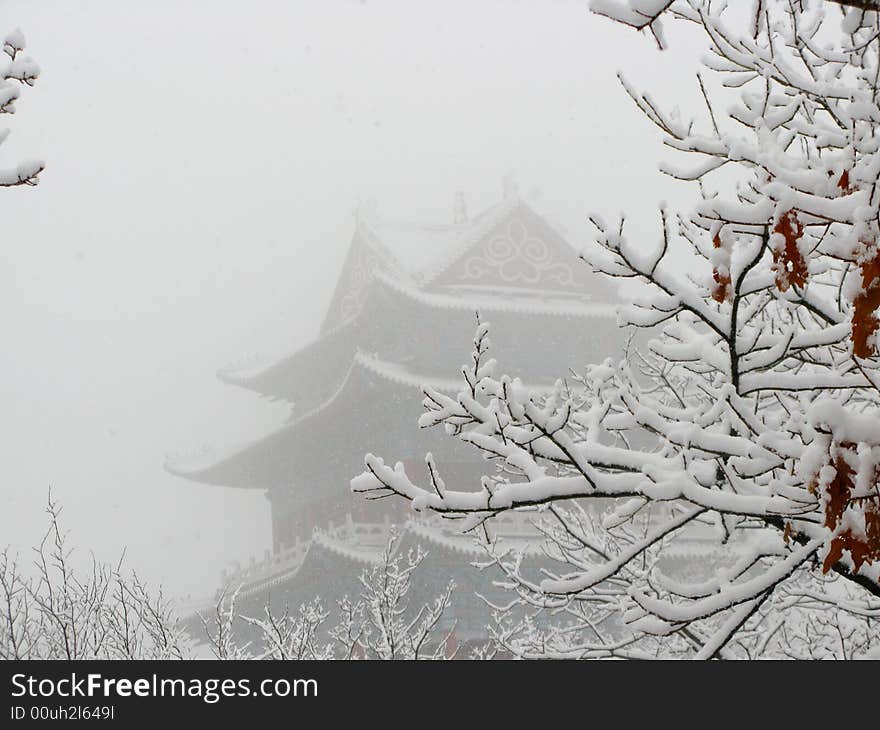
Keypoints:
pixel 16 71
pixel 638 14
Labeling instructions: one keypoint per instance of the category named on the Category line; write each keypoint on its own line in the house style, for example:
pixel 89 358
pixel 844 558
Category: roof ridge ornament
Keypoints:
pixel 367 212
pixel 509 187
pixel 459 208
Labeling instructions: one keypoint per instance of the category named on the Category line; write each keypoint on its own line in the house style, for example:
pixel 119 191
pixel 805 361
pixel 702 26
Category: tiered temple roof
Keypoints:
pixel 402 317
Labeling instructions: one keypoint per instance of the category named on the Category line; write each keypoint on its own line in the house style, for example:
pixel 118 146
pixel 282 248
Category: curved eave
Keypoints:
pixel 265 379
pixel 312 556
pixel 230 469
pixel 247 466
pixel 532 305
pixel 238 467
pixel 335 348
pixel 320 549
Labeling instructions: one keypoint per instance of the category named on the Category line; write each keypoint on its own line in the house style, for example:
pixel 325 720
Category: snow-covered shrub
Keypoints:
pixel 380 623
pixel 56 610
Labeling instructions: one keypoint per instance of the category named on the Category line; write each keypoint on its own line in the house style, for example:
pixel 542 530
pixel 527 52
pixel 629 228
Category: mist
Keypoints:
pixel 204 161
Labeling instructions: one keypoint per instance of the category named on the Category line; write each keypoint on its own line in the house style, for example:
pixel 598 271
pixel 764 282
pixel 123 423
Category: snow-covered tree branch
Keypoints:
pixel 648 14
pixel 16 71
pixel 748 427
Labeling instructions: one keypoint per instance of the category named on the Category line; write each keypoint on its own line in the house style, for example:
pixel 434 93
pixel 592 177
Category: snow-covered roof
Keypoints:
pixel 193 465
pixel 362 544
pixel 349 549
pixel 425 251
pixel 410 257
pixel 343 352
pixel 253 369
pixel 189 464
pixel 357 543
pixel 207 459
pixel 400 374
pixel 493 300
pixel 259 374
pixel 434 532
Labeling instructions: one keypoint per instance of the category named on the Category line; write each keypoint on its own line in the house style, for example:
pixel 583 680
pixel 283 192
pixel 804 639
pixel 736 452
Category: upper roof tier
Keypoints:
pixel 422 252
pixel 507 263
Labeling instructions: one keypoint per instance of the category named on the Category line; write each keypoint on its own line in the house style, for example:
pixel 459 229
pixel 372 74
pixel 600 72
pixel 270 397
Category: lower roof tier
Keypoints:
pixel 376 410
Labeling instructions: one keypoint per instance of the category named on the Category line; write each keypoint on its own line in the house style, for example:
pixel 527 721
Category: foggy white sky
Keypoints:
pixel 204 159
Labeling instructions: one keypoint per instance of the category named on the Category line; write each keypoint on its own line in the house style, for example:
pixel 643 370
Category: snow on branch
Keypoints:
pixel 639 14
pixel 16 71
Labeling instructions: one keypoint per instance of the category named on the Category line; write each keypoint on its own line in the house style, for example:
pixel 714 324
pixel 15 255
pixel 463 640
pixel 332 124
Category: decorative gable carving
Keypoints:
pixel 523 252
pixel 515 255
pixel 351 291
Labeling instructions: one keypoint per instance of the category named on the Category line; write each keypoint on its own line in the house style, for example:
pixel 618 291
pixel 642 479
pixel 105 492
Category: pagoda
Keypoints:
pixel 402 317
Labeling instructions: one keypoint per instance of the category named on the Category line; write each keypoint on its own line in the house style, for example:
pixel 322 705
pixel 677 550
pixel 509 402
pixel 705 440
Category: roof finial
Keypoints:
pixel 509 187
pixel 367 211
pixel 459 208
